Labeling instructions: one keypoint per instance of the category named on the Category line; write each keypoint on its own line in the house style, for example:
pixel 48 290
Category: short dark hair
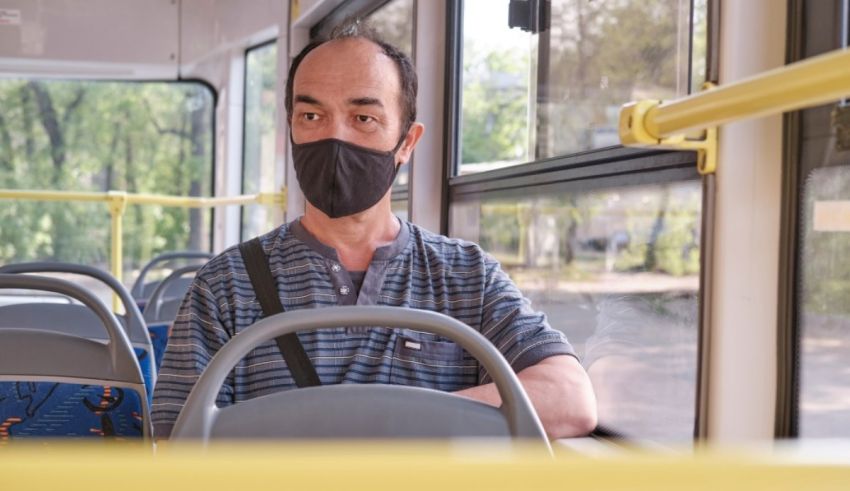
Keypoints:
pixel 356 28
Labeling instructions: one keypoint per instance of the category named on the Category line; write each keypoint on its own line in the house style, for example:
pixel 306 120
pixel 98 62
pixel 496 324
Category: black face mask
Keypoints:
pixel 340 178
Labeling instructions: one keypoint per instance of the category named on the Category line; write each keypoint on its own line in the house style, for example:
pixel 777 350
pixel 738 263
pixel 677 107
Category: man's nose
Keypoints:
pixel 337 129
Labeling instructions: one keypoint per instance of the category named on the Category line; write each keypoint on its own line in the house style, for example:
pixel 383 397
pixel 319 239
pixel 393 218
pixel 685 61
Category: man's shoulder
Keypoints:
pixel 449 249
pixel 229 262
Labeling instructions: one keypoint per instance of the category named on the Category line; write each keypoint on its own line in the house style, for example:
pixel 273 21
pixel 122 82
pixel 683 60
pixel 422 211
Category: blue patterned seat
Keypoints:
pixel 61 384
pixel 45 409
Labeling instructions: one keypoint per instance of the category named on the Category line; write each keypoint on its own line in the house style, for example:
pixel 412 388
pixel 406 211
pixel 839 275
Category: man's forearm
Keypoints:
pixel 561 394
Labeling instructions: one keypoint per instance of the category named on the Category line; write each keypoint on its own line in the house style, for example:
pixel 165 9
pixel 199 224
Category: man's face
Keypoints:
pixel 350 91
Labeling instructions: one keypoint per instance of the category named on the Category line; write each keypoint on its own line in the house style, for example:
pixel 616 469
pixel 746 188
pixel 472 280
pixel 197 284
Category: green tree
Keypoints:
pixel 98 136
pixel 495 105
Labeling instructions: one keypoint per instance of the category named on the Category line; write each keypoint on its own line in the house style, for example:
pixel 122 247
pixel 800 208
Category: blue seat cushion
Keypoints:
pixel 48 409
pixel 159 340
pixel 142 355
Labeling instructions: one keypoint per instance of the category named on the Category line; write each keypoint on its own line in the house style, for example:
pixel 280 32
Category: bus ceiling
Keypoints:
pixel 131 40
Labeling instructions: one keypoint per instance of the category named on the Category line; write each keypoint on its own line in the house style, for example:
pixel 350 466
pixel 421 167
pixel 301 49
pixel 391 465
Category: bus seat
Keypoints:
pixel 358 410
pixel 62 384
pixel 161 310
pixel 82 322
pixel 142 291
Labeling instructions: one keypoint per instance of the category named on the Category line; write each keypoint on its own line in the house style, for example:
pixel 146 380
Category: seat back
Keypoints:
pixel 83 320
pixel 161 309
pixel 55 384
pixel 339 411
pixel 141 291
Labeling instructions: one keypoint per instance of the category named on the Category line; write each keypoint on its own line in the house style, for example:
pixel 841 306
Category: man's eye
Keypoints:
pixel 310 116
pixel 362 118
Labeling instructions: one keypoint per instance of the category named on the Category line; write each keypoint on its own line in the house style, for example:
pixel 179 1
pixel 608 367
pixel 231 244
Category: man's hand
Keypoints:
pixel 560 391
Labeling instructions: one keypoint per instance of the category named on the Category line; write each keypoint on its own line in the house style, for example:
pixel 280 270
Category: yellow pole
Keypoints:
pixel 808 83
pixel 117 206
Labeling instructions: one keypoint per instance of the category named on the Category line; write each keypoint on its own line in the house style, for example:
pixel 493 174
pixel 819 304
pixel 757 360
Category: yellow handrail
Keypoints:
pixel 807 83
pixel 118 201
pixel 811 82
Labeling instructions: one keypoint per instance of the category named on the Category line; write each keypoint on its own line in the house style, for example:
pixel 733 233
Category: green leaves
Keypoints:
pixel 99 136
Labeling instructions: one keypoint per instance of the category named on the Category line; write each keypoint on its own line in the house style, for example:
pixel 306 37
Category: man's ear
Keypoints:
pixel 410 140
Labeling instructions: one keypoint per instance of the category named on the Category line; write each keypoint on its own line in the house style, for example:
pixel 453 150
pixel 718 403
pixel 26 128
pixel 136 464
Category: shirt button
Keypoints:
pixel 344 290
pixel 335 268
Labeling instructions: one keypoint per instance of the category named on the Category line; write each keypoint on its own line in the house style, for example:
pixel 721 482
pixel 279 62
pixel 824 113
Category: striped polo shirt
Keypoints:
pixel 419 270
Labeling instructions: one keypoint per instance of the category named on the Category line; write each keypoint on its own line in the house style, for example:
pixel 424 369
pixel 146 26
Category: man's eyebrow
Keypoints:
pixel 366 101
pixel 307 99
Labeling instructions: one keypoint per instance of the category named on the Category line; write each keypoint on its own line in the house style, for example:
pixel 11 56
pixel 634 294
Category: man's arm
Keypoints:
pixel 560 391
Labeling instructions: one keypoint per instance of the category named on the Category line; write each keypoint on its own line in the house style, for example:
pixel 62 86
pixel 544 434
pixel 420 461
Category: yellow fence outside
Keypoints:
pixel 117 202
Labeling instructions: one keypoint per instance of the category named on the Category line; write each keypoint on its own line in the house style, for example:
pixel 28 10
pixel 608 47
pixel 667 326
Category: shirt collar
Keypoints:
pixel 383 253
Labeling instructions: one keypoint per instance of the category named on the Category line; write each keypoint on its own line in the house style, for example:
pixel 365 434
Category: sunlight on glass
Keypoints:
pixel 533 96
pixel 616 270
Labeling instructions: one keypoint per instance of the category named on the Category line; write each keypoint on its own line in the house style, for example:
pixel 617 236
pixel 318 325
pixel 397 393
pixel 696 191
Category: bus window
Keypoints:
pixel 258 164
pixel 394 23
pixel 617 270
pixel 139 137
pixel 529 96
pixel 824 311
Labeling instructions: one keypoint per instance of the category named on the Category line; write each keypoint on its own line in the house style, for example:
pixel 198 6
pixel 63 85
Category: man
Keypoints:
pixel 351 106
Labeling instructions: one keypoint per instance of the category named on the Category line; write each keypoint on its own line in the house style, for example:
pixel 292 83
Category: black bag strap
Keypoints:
pixel 257 264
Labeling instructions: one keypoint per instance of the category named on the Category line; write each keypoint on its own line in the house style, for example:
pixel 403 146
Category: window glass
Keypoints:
pixel 616 270
pixel 258 167
pixel 150 137
pixel 393 21
pixel 400 207
pixel 529 96
pixel 824 310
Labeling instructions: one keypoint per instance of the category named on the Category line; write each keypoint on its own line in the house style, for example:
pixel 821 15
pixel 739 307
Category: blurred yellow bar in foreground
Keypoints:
pixel 405 465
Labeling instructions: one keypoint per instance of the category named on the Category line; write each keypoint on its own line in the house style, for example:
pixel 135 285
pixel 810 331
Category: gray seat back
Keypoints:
pixel 75 320
pixel 142 291
pixel 353 410
pixel 48 355
pixel 131 320
pixel 160 308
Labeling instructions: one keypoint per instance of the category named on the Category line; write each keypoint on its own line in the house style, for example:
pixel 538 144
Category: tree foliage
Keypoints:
pixel 100 136
pixel 563 90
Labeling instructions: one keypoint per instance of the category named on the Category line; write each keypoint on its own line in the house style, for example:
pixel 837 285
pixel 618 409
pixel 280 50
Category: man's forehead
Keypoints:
pixel 357 67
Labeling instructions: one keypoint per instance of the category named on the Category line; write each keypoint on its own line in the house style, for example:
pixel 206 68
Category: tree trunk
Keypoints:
pixel 109 167
pixel 26 111
pixel 50 123
pixel 198 131
pixel 651 259
pixel 5 146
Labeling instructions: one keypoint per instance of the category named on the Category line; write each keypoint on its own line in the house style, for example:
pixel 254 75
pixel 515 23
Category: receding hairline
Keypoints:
pixel 358 39
pixel 378 49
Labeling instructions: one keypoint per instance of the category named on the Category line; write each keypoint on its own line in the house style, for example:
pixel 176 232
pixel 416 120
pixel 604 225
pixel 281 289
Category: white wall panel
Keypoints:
pixel 90 38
